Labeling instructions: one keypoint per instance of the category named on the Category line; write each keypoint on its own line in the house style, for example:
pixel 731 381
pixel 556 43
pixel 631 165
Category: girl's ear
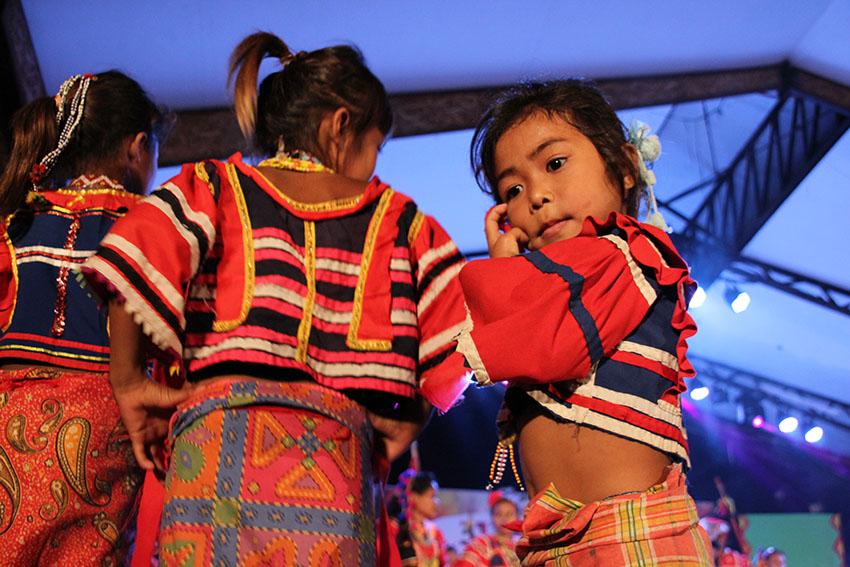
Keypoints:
pixel 339 122
pixel 134 148
pixel 632 156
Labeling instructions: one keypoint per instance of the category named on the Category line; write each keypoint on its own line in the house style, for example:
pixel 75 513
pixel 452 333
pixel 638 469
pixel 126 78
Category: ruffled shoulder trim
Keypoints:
pixel 652 249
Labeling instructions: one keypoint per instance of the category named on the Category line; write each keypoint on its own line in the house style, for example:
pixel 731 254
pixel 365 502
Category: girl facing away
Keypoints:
pixel 596 302
pixel 68 480
pixel 304 301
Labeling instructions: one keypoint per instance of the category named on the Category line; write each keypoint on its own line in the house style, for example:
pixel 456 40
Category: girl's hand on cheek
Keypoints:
pixel 503 240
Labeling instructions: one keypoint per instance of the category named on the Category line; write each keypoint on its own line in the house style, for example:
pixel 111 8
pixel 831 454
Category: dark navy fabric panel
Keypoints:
pixel 656 329
pixel 628 379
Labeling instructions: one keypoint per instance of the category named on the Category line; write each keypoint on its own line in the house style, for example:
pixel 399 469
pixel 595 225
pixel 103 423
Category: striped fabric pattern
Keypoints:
pixel 488 550
pixel 359 293
pixel 657 528
pixel 606 321
pixel 32 253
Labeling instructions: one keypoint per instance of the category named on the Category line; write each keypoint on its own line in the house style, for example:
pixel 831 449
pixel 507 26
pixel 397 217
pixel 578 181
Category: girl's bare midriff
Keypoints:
pixel 585 464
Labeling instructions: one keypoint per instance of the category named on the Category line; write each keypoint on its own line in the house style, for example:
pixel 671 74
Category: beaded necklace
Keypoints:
pixel 296 160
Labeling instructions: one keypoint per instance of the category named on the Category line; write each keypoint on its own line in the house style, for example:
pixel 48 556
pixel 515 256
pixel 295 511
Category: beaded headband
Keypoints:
pixel 648 148
pixel 43 168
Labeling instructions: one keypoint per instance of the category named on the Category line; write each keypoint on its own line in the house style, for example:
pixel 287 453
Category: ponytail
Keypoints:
pixel 245 62
pixel 285 111
pixel 35 134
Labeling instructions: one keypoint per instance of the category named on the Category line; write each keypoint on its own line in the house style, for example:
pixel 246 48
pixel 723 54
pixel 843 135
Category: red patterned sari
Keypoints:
pixel 68 479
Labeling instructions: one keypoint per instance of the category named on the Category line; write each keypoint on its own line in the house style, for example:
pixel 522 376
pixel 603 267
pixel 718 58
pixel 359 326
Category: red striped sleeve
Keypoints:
pixel 151 254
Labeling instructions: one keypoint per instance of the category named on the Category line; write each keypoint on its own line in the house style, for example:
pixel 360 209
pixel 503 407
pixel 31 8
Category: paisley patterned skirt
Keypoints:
pixel 269 473
pixel 68 479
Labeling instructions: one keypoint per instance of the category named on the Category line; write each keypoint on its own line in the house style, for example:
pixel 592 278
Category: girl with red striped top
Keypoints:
pixel 595 302
pixel 68 480
pixel 304 301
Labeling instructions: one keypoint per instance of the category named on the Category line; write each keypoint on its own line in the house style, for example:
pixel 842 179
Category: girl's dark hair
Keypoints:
pixel 292 102
pixel 578 102
pixel 503 500
pixel 421 482
pixel 116 107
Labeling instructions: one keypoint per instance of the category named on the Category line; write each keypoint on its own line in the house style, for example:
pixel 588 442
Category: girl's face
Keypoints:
pixel 358 156
pixel 425 503
pixel 551 177
pixel 503 513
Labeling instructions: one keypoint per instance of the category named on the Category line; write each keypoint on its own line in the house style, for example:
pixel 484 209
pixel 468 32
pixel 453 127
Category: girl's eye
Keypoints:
pixel 555 164
pixel 512 192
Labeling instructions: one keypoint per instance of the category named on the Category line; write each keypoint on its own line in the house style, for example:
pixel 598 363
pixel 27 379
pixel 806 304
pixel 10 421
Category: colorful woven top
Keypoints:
pixel 600 322
pixel 221 268
pixel 45 314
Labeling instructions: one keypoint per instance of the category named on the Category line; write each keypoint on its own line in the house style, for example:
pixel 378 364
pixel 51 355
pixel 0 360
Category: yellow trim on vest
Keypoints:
pixel 57 354
pixel 310 299
pixel 323 207
pixel 14 262
pixel 415 227
pixel 248 255
pixel 201 172
pixel 371 235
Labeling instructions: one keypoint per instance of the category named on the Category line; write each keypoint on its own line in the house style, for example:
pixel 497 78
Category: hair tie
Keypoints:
pixel 289 58
pixel 648 148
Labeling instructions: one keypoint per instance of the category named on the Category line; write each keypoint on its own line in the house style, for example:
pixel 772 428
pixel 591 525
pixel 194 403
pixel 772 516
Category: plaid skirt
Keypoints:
pixel 269 473
pixel 657 527
pixel 68 479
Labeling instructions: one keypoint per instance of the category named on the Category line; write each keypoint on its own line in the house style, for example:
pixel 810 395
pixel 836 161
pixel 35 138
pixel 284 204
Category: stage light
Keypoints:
pixel 697 299
pixel 814 434
pixel 738 300
pixel 757 421
pixel 699 391
pixel 788 425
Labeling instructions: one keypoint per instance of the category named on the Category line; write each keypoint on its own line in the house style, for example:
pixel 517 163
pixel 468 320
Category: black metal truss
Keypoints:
pixel 805 287
pixel 741 385
pixel 794 136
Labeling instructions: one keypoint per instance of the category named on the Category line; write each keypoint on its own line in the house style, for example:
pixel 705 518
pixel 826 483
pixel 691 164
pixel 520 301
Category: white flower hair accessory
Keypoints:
pixel 648 148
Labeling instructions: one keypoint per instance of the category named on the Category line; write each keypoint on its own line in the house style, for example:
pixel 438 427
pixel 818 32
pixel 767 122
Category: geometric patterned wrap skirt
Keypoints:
pixel 657 527
pixel 269 473
pixel 68 479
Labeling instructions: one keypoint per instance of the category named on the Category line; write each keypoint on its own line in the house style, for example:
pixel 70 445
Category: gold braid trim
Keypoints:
pixel 374 226
pixel 310 299
pixel 415 227
pixel 323 207
pixel 247 254
pixel 7 241
pixel 40 350
pixel 201 172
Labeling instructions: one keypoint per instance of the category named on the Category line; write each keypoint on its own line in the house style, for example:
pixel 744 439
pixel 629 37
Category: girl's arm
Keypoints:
pixel 395 434
pixel 145 406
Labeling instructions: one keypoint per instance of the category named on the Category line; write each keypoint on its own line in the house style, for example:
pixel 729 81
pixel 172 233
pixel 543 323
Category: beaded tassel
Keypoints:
pixel 58 328
pixel 504 454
